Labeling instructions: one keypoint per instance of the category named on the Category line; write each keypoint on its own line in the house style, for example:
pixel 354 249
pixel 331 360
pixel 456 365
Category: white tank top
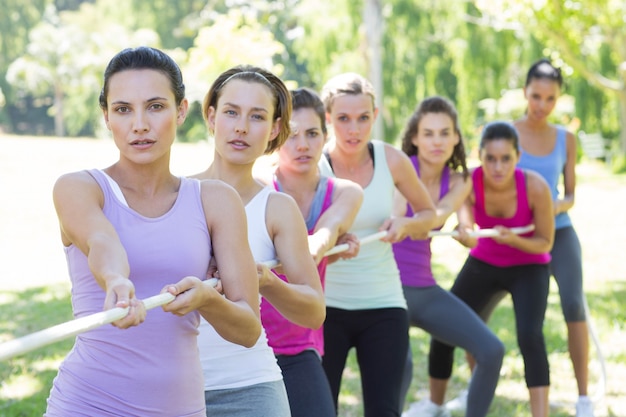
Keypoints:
pixel 227 365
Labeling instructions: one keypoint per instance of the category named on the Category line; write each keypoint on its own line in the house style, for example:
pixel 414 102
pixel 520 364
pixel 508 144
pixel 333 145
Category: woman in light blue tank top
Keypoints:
pixel 550 150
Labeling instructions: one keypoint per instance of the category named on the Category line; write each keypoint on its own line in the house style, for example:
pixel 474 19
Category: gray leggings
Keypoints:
pixel 567 268
pixel 451 321
pixel 267 399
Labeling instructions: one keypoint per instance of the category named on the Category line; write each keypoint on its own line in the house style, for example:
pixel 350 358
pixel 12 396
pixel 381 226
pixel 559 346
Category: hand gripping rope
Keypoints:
pixel 74 327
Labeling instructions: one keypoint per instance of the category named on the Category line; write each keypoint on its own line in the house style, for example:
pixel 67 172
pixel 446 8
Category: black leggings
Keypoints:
pixel 381 340
pixel 477 284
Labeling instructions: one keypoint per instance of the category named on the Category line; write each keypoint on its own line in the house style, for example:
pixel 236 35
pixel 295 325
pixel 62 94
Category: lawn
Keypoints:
pixel 34 291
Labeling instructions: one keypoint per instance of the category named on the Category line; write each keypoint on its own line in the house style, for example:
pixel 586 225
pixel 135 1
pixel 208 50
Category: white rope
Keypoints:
pixel 483 232
pixel 601 387
pixel 74 327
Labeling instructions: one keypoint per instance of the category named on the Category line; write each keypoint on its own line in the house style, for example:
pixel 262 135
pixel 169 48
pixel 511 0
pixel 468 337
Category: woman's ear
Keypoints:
pixel 183 108
pixel 275 129
pixel 105 115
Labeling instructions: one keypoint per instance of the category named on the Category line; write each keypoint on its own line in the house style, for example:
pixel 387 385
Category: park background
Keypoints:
pixel 52 55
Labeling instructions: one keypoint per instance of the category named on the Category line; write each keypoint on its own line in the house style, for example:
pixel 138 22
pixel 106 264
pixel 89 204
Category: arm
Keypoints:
pixel 459 190
pixel 569 177
pixel 540 200
pixel 337 219
pixel 301 299
pixel 236 316
pixel 406 181
pixel 457 195
pixel 78 201
pixel 465 214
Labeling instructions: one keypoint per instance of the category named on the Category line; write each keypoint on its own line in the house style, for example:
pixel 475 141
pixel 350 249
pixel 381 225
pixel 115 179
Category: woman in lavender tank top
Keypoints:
pixel 133 230
pixel 432 139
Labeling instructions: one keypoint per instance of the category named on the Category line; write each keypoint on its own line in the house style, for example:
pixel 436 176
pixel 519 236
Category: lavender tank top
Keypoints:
pixel 285 337
pixel 414 256
pixel 151 370
pixel 487 249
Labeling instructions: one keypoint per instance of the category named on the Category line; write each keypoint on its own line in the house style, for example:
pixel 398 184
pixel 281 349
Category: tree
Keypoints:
pixel 63 63
pixel 16 20
pixel 223 42
pixel 587 36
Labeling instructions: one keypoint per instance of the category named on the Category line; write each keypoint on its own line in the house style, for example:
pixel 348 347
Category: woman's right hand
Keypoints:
pixel 120 292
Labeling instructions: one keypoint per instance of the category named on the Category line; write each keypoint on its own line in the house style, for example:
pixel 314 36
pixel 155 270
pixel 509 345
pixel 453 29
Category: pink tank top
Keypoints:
pixel 487 249
pixel 285 337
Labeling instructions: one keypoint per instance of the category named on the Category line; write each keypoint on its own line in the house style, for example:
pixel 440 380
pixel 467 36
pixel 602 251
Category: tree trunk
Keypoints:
pixel 373 19
pixel 59 123
pixel 622 112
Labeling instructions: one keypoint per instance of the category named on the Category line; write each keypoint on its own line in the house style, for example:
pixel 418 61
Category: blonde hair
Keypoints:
pixel 347 83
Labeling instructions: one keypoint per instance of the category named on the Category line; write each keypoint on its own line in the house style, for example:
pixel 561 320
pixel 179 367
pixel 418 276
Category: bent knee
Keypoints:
pixel 574 311
pixel 491 352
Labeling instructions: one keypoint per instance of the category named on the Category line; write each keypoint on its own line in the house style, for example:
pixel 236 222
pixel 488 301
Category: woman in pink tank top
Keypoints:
pixel 329 206
pixel 504 197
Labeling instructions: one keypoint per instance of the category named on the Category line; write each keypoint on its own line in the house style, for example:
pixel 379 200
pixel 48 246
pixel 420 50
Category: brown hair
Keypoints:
pixel 252 74
pixel 435 104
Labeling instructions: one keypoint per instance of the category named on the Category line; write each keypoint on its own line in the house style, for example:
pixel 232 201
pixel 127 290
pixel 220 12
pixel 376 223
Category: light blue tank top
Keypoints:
pixel 550 167
pixel 371 280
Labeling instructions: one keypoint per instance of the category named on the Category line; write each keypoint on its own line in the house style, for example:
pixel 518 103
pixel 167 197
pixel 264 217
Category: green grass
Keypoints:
pixel 26 379
pixel 512 396
pixel 34 289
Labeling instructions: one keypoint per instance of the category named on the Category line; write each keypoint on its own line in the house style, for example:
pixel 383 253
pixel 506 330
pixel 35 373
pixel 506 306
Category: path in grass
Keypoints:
pixel 31 257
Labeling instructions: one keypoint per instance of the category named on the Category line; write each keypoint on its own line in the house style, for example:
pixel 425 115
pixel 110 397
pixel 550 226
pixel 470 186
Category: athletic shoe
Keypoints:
pixel 426 408
pixel 584 407
pixel 459 403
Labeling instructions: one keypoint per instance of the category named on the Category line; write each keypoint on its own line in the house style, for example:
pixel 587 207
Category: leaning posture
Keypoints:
pixel 133 230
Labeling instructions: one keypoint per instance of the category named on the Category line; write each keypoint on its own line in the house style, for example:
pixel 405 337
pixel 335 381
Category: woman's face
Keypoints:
pixel 436 138
pixel 242 122
pixel 498 159
pixel 352 117
pixel 541 94
pixel 142 114
pixel 303 149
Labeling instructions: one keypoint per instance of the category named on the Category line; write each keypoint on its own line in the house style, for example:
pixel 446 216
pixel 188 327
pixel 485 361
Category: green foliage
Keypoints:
pixel 27 379
pixel 469 52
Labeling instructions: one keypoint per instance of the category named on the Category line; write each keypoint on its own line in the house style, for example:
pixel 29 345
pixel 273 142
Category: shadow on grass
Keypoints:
pixel 26 379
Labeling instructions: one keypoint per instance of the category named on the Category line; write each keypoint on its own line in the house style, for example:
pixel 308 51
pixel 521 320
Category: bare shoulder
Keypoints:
pixel 213 187
pixel 213 191
pixel 394 155
pixel 282 214
pixel 278 202
pixel 570 139
pixel 457 179
pixel 536 184
pixel 77 183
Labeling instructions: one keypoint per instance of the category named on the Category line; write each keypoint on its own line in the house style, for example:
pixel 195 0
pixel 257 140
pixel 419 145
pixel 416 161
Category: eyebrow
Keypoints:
pixel 262 109
pixel 434 130
pixel 146 101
